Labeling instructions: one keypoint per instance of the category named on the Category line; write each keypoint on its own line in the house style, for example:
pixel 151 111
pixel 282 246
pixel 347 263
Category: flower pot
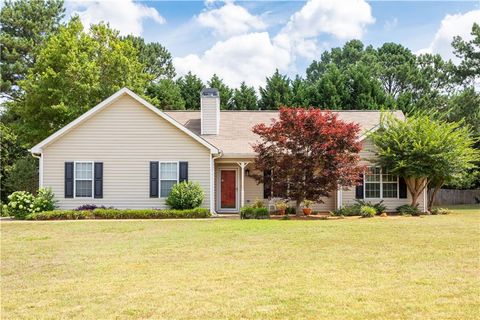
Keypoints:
pixel 281 212
pixel 307 211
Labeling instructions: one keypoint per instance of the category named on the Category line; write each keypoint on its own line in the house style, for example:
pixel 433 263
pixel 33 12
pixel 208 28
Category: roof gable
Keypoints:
pixel 89 114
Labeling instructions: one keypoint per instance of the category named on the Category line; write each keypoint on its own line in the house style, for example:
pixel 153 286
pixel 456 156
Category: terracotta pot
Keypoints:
pixel 281 212
pixel 307 211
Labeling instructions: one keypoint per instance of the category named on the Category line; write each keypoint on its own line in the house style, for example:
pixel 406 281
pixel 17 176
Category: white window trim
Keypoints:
pixel 75 178
pixel 381 185
pixel 160 176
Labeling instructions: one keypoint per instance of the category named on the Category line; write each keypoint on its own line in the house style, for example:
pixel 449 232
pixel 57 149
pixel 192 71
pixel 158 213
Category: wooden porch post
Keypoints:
pixel 242 179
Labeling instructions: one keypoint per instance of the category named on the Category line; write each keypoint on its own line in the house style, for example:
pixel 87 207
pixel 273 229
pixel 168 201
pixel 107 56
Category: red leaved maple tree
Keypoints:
pixel 309 152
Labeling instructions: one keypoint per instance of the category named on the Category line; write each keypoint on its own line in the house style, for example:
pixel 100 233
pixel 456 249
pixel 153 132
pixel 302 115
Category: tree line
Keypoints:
pixel 55 70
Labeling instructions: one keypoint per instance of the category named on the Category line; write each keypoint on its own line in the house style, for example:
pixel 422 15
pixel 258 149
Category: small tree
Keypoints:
pixel 310 152
pixel 423 149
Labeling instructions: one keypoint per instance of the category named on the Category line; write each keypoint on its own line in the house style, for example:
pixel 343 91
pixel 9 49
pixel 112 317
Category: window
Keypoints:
pixel 372 182
pixel 380 184
pixel 83 179
pixel 168 177
pixel 389 185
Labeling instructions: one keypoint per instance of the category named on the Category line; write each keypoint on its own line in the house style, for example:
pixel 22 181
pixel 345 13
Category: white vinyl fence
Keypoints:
pixel 451 196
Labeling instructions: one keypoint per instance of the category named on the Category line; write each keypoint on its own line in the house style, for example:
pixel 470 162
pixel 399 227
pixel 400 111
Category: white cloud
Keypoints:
pixel 342 19
pixel 248 58
pixel 230 20
pixel 124 15
pixel 452 25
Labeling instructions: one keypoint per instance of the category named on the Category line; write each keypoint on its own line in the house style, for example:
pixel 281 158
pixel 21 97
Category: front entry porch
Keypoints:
pixel 230 178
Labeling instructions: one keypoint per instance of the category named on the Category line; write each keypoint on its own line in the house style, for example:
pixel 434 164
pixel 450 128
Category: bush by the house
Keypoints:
pixel 367 211
pixel 185 195
pixel 408 209
pixel 290 210
pixel 249 212
pixel 258 203
pixel 22 203
pixel 440 211
pixel 44 201
pixel 91 207
pixel 120 214
pixel 379 206
pixel 350 210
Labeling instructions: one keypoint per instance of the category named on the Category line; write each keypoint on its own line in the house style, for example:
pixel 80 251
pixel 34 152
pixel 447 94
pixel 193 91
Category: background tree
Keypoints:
pixel 300 93
pixel 310 152
pixel 423 149
pixel 225 92
pixel 469 52
pixel 166 95
pixel 244 98
pixel 190 87
pixel 25 26
pixel 75 71
pixel 277 92
pixel 155 58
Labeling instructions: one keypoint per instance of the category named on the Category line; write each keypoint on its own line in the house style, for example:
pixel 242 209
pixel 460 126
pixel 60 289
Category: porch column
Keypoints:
pixel 242 179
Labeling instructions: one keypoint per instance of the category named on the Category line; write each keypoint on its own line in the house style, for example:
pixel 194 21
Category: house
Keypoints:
pixel 126 153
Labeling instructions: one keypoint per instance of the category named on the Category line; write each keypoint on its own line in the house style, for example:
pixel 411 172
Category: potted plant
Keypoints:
pixel 281 207
pixel 306 207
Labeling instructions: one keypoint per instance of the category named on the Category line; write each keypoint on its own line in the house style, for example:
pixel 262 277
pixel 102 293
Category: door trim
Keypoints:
pixel 219 190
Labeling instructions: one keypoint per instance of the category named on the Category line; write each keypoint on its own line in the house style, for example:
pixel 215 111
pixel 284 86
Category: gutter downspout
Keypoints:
pixel 40 168
pixel 212 182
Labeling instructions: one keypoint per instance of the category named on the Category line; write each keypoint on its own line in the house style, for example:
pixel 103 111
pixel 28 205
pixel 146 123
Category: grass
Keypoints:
pixel 380 268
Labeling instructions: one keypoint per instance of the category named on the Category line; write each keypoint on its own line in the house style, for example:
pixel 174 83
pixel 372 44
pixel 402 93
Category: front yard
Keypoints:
pixel 380 268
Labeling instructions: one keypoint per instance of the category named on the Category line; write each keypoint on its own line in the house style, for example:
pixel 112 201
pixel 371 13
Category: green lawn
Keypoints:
pixel 380 268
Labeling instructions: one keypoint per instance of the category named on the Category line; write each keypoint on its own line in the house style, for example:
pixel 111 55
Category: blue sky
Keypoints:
pixel 247 40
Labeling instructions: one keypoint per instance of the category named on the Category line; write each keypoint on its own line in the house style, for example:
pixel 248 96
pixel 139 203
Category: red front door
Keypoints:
pixel 227 189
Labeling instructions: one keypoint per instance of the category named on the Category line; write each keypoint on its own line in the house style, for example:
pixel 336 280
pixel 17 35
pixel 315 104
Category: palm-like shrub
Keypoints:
pixel 186 195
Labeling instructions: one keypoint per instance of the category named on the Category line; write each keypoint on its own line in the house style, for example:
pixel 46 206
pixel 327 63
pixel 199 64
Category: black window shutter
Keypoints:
pixel 359 188
pixel 98 178
pixel 183 171
pixel 267 184
pixel 402 188
pixel 69 179
pixel 153 179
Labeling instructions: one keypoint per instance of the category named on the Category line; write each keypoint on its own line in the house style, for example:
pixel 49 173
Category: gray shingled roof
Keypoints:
pixel 236 136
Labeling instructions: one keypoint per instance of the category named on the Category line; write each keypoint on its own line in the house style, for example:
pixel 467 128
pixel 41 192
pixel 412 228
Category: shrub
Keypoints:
pixel 258 203
pixel 91 207
pixel 379 207
pixel 44 201
pixel 408 209
pixel 367 211
pixel 307 203
pixel 120 214
pixel 249 212
pixel 290 210
pixel 20 204
pixel 350 210
pixel 440 211
pixel 4 209
pixel 185 195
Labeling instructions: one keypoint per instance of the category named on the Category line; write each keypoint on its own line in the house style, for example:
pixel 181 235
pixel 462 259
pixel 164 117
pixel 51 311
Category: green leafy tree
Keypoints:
pixel 190 88
pixel 166 95
pixel 245 98
pixel 469 51
pixel 465 105
pixel 25 27
pixel 22 175
pixel 329 91
pixel 277 92
pixel 423 149
pixel 75 71
pixel 225 92
pixel 300 89
pixel 156 59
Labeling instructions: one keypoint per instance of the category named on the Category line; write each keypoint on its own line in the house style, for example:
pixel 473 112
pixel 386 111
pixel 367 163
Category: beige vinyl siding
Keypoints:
pixel 210 113
pixel 348 195
pixel 125 136
pixel 254 191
